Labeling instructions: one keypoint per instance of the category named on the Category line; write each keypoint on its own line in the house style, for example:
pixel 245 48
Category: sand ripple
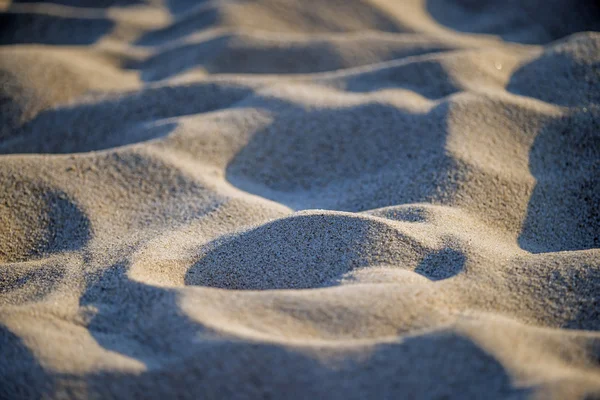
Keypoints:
pixel 341 199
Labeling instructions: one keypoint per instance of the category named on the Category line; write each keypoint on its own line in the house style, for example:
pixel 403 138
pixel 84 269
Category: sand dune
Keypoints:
pixel 285 198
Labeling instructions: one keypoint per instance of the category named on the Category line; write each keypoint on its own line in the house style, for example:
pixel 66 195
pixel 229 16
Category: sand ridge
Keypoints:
pixel 285 198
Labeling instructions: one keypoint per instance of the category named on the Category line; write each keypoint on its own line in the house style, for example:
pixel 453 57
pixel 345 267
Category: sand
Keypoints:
pixel 300 199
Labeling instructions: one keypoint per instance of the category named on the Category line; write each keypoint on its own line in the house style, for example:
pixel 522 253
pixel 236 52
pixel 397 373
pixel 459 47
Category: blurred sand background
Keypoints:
pixel 336 199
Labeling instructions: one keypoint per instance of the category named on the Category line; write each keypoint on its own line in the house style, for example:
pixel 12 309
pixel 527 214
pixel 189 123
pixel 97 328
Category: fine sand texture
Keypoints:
pixel 300 199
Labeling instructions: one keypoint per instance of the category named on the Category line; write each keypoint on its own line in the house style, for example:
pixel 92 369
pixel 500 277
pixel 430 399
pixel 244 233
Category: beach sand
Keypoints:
pixel 336 199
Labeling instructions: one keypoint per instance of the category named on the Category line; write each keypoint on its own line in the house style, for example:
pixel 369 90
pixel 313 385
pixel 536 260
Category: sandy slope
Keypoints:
pixel 300 198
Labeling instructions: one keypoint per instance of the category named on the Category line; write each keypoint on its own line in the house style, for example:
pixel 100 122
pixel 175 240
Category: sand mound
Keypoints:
pixel 38 221
pixel 310 252
pixel 285 198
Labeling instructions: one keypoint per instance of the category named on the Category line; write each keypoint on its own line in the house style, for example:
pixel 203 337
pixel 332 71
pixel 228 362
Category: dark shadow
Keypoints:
pixel 182 6
pixel 87 3
pixel 442 264
pixel 233 54
pixel 318 158
pixel 187 360
pixel 560 75
pixel 310 251
pixel 564 209
pixel 199 20
pixel 21 375
pixel 36 281
pixel 435 365
pixel 33 28
pixel 528 21
pixel 12 107
pixel 427 78
pixel 140 321
pixel 220 56
pixel 172 62
pixel 118 121
pixel 32 140
pixel 56 224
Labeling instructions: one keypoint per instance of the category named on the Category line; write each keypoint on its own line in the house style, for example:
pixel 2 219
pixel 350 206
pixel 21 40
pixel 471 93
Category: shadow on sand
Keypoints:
pixel 564 209
pixel 146 323
pixel 521 21
pixel 38 28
